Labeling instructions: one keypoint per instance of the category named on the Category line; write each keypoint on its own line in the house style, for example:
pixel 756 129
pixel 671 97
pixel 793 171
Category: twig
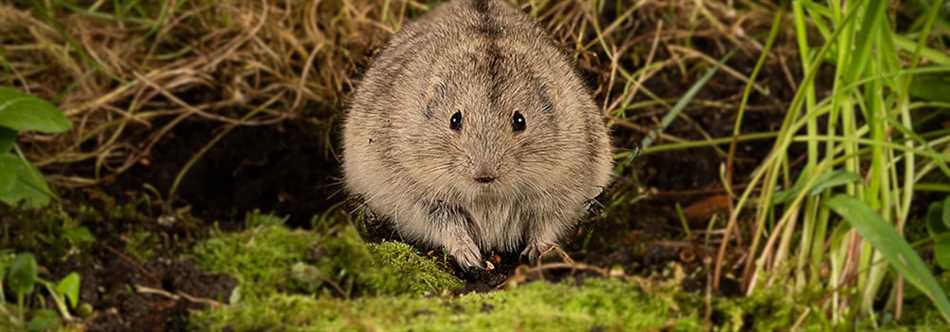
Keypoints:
pixel 177 296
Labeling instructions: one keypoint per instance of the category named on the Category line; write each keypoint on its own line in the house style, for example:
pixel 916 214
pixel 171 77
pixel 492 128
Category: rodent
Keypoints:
pixel 471 131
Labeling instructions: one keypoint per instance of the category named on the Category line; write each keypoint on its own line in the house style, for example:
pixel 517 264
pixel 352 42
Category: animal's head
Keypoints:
pixel 493 123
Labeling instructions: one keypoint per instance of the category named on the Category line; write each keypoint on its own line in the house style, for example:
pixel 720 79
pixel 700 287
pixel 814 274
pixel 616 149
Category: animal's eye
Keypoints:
pixel 456 122
pixel 518 122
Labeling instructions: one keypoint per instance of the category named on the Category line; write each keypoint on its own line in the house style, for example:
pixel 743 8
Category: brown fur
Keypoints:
pixel 487 61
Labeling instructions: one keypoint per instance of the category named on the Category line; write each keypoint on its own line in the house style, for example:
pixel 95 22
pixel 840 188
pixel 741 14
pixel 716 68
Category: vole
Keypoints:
pixel 471 131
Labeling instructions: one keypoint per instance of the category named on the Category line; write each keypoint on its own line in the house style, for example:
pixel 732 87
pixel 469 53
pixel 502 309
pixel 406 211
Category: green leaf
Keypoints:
pixel 7 139
pixel 935 222
pixel 946 212
pixel 78 235
pixel 9 165
pixel 44 320
pixel 942 253
pixel 3 272
pixel 22 274
pixel 938 224
pixel 892 246
pixel 932 87
pixel 22 112
pixel 69 287
pixel 29 187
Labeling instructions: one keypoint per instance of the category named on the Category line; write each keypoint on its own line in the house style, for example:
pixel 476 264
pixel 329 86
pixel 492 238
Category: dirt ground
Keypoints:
pixel 291 168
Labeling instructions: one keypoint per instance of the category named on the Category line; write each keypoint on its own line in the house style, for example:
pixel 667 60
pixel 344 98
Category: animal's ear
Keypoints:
pixel 437 96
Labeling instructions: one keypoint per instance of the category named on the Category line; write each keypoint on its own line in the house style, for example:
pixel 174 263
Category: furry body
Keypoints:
pixel 471 131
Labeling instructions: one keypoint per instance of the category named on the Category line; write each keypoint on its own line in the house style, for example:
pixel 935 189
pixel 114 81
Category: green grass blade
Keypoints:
pixel 833 179
pixel 862 50
pixel 892 246
pixel 823 182
pixel 681 104
pixel 928 53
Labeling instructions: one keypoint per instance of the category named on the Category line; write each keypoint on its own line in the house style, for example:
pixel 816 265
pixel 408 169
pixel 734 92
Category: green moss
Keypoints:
pixel 294 280
pixel 50 233
pixel 610 305
pixel 388 268
pixel 919 312
pixel 268 258
pixel 142 245
pixel 61 230
pixel 259 257
pixel 769 310
pixel 402 270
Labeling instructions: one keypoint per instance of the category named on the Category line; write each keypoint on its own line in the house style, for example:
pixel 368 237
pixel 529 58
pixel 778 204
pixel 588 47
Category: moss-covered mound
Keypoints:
pixel 268 258
pixel 295 280
pixel 331 280
pixel 606 305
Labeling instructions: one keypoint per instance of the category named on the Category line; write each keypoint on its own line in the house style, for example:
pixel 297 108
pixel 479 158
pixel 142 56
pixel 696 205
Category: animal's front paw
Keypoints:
pixel 536 250
pixel 468 257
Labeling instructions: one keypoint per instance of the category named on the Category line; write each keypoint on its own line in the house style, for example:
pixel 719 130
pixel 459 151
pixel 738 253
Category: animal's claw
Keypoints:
pixel 534 251
pixel 468 257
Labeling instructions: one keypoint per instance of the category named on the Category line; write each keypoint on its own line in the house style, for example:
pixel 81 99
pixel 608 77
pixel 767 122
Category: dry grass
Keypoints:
pixel 127 78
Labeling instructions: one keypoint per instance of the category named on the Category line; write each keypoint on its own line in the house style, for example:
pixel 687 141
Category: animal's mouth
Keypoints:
pixel 491 191
pixel 485 188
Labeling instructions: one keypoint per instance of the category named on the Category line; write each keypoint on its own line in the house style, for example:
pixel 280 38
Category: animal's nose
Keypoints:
pixel 485 173
pixel 485 179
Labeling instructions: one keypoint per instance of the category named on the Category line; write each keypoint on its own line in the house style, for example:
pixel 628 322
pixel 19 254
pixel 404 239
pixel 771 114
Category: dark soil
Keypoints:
pixel 125 293
pixel 121 290
pixel 283 169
